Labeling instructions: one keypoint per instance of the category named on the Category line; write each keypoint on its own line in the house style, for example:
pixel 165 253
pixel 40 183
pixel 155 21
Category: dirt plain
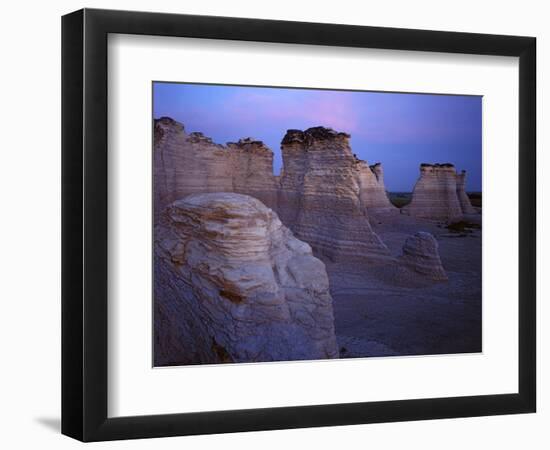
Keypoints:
pixel 381 309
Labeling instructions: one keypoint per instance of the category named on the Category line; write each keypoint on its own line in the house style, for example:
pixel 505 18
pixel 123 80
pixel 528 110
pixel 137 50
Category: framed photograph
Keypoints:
pixel 273 224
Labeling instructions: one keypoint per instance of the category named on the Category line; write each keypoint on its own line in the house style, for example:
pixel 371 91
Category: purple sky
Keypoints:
pixel 399 130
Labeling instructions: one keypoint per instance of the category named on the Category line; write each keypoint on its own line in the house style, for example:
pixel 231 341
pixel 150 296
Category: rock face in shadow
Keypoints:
pixel 435 194
pixel 421 255
pixel 232 284
pixel 191 163
pixel 372 191
pixel 252 170
pixel 463 198
pixel 319 196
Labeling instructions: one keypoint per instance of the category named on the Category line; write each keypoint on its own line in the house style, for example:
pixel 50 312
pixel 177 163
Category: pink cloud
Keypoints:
pixel 330 109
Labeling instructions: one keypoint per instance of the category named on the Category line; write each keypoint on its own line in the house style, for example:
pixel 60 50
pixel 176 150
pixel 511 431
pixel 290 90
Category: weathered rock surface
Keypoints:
pixel 372 191
pixel 324 192
pixel 463 198
pixel 319 196
pixel 186 163
pixel 232 284
pixel 191 163
pixel 421 254
pixel 252 170
pixel 435 194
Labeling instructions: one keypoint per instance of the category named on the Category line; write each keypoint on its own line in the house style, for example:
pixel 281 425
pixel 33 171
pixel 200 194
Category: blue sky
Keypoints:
pixel 399 130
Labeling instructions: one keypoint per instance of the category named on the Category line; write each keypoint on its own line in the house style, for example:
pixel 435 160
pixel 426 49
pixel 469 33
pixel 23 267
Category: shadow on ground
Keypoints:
pixel 52 423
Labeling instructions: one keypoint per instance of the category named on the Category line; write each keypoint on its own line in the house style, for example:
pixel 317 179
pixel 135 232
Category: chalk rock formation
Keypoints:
pixel 319 197
pixel 421 254
pixel 372 191
pixel 191 163
pixel 463 198
pixel 252 169
pixel 435 194
pixel 232 284
pixel 323 194
pixel 186 163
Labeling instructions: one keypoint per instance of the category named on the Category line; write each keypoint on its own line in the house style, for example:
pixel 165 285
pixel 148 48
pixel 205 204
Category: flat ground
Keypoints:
pixel 382 311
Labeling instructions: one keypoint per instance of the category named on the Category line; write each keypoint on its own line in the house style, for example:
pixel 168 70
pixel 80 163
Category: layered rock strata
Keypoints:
pixel 319 196
pixel 372 191
pixel 435 194
pixel 186 163
pixel 232 284
pixel 192 163
pixel 252 170
pixel 463 198
pixel 421 254
pixel 323 194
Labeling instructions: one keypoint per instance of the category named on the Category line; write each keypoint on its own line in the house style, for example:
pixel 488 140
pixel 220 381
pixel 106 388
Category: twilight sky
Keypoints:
pixel 399 130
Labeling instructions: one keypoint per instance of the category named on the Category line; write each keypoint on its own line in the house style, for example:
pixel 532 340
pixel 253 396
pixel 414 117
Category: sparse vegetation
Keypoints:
pixel 463 227
pixel 475 199
pixel 400 199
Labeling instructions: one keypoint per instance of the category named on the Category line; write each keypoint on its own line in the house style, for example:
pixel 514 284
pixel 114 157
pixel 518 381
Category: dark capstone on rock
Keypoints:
pixel 449 165
pixel 165 124
pixel 197 136
pixel 248 144
pixel 312 134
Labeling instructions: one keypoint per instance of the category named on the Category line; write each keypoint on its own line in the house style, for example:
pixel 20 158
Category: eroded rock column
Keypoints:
pixel 192 163
pixel 435 194
pixel 372 191
pixel 185 164
pixel 319 197
pixel 463 198
pixel 252 168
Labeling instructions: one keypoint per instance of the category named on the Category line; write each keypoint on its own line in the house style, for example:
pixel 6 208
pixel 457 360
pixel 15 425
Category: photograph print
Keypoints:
pixel 294 224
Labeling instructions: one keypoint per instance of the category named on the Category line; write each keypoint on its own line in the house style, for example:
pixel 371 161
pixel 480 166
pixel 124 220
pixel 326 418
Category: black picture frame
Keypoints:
pixel 84 224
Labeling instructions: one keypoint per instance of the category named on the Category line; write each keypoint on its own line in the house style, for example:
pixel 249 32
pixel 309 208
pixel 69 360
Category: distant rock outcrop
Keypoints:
pixel 463 198
pixel 319 196
pixel 192 163
pixel 232 284
pixel 421 254
pixel 435 194
pixel 325 194
pixel 372 191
